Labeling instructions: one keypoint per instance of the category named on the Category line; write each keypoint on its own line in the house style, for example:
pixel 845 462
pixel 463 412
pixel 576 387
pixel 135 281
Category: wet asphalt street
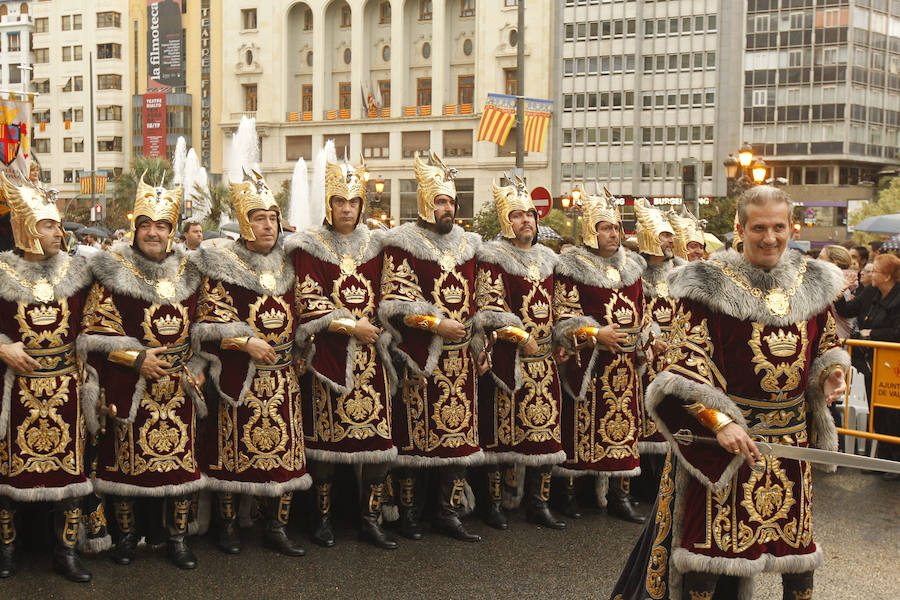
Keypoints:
pixel 857 521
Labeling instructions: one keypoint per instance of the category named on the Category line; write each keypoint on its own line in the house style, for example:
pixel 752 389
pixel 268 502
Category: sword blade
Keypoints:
pixel 828 457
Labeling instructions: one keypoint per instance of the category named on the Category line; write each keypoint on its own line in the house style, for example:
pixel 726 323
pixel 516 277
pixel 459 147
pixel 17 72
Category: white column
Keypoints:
pixel 399 74
pixel 440 61
pixel 358 57
pixel 319 61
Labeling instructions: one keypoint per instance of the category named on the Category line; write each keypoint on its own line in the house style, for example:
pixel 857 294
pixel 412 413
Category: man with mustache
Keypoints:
pixel 518 396
pixel 690 243
pixel 753 352
pixel 136 335
pixel 42 452
pixel 427 306
pixel 245 328
pixel 599 304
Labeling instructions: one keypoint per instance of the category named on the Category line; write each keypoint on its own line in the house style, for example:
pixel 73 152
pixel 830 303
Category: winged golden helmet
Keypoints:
pixel 248 195
pixel 651 222
pixel 595 209
pixel 737 241
pixel 157 204
pixel 28 204
pixel 509 199
pixel 346 181
pixel 434 180
pixel 687 229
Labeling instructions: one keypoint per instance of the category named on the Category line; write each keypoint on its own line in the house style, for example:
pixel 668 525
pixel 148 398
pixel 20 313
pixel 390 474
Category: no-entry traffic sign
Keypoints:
pixel 542 201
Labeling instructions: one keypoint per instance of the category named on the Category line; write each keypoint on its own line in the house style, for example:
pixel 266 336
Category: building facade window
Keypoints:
pixel 511 82
pixel 110 50
pixel 41 55
pixel 306 98
pixel 109 19
pixel 384 13
pixel 423 91
pixel 308 20
pixel 467 8
pixel 384 90
pixel 109 82
pixel 42 25
pixel 425 10
pixel 109 113
pixel 112 144
pixel 248 18
pixel 345 94
pixel 76 83
pixel 466 89
pixel 346 18
pixel 13 41
pixel 250 97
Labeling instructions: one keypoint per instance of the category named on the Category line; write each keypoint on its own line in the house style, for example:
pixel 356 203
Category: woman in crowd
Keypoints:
pixel 840 256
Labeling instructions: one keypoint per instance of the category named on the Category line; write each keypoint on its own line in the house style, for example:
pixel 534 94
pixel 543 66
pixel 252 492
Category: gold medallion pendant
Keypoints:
pixel 42 291
pixel 267 280
pixel 348 265
pixel 662 288
pixel 448 261
pixel 778 302
pixel 612 273
pixel 534 272
pixel 165 289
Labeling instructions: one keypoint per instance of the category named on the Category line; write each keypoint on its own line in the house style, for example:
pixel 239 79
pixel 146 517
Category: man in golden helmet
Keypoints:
pixel 250 195
pixel 43 453
pixel 158 205
pixel 689 240
pixel 345 184
pixel 599 306
pixel 427 307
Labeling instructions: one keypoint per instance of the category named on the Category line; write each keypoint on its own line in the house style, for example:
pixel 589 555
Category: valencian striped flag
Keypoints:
pixel 499 116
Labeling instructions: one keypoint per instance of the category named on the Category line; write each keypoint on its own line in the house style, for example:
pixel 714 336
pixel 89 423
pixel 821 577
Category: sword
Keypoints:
pixel 827 457
pixel 489 349
pixel 105 410
pixel 193 383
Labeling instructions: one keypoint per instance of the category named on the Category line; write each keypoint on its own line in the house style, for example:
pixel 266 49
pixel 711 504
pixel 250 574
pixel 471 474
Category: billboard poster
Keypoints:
pixel 154 129
pixel 165 64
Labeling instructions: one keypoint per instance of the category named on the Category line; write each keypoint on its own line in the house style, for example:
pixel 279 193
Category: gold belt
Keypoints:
pixel 177 356
pixel 542 342
pixel 283 357
pixel 463 343
pixel 51 359
pixel 773 418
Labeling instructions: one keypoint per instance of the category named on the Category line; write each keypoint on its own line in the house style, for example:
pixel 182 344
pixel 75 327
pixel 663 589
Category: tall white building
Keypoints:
pixel 66 35
pixel 301 67
pixel 16 24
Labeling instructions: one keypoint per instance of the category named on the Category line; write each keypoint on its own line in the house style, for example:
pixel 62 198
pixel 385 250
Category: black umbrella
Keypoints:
pixel 97 232
pixel 72 226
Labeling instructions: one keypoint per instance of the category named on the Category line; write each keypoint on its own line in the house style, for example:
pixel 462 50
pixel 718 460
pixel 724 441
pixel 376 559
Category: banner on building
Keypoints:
pixel 165 64
pixel 499 116
pixel 15 132
pixel 84 180
pixel 154 129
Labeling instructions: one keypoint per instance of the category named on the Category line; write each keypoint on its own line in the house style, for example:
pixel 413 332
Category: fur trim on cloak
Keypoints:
pixel 77 276
pixel 213 332
pixel 118 278
pixel 658 272
pixel 408 237
pixel 218 263
pixel 490 320
pixel 47 494
pixel 115 488
pixel 269 490
pixel 590 269
pixel 504 254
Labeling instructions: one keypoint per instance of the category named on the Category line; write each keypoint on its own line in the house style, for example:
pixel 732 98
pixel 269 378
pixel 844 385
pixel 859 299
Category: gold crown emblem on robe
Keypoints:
pixel 433 180
pixel 540 310
pixel 28 204
pixel 510 198
pixel 782 344
pixel 452 294
pixel 663 314
pixel 346 181
pixel 354 294
pixel 687 229
pixel 43 315
pixel 168 325
pixel 157 204
pixel 623 315
pixel 248 195
pixel 651 222
pixel 272 319
pixel 596 209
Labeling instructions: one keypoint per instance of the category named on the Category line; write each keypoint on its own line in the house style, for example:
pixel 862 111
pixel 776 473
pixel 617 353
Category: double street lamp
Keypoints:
pixel 570 206
pixel 745 170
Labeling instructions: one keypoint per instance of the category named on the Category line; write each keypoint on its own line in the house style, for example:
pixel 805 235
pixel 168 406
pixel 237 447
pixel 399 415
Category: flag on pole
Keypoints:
pixel 497 119
pixel 537 118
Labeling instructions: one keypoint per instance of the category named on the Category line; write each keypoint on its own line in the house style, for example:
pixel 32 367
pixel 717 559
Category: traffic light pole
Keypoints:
pixel 93 143
pixel 520 91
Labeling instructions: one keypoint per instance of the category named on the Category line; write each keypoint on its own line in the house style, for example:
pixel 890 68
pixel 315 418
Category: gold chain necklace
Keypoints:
pixel 163 286
pixel 347 263
pixel 611 272
pixel 447 260
pixel 777 300
pixel 42 290
pixel 267 279
pixel 533 269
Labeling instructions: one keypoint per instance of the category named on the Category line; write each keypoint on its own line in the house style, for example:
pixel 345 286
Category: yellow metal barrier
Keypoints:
pixel 885 391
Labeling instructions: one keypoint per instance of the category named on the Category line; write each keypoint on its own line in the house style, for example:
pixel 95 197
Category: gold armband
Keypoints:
pixel 235 343
pixel 710 418
pixel 513 334
pixel 126 358
pixel 586 332
pixel 424 322
pixel 827 371
pixel 345 325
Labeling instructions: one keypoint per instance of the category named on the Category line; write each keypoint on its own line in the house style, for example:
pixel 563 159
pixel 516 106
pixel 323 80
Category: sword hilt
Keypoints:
pixel 105 410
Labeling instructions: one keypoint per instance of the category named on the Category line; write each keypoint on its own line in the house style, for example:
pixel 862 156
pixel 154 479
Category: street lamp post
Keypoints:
pixel 744 171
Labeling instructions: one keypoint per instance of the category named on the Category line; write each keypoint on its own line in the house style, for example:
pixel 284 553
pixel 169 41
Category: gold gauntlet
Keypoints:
pixel 235 343
pixel 513 334
pixel 827 371
pixel 126 358
pixel 710 418
pixel 424 322
pixel 586 333
pixel 345 325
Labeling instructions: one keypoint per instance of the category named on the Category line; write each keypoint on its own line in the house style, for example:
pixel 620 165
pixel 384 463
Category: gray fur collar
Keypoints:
pixel 408 237
pixel 655 273
pixel 504 254
pixel 310 241
pixel 117 277
pixel 76 277
pixel 217 262
pixel 705 282
pixel 576 263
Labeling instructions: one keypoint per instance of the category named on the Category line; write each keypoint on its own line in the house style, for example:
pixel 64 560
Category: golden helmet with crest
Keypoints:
pixel 157 203
pixel 651 222
pixel 346 181
pixel 510 198
pixel 248 195
pixel 29 204
pixel 596 209
pixel 687 229
pixel 434 180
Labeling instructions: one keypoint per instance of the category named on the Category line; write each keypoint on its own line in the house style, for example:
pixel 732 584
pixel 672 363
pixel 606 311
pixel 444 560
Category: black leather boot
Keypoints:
pixel 66 519
pixel 536 510
pixel 495 517
pixel 699 584
pixel 229 540
pixel 276 536
pixel 176 546
pixel 7 538
pixel 619 503
pixel 569 504
pixel 452 485
pixel 409 525
pixel 797 586
pixel 322 532
pixel 126 546
pixel 371 530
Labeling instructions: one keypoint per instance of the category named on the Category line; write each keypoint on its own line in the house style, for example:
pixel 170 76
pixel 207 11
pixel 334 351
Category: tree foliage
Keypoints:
pixel 719 215
pixel 887 202
pixel 218 198
pixel 561 223
pixel 486 223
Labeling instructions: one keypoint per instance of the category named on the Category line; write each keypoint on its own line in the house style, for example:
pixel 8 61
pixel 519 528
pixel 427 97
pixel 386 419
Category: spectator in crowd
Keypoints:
pixel 860 255
pixel 192 232
pixel 874 249
pixel 566 243
pixel 838 255
pixel 865 277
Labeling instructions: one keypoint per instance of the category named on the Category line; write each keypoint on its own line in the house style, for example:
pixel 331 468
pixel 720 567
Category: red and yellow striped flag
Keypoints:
pixel 497 119
pixel 537 118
